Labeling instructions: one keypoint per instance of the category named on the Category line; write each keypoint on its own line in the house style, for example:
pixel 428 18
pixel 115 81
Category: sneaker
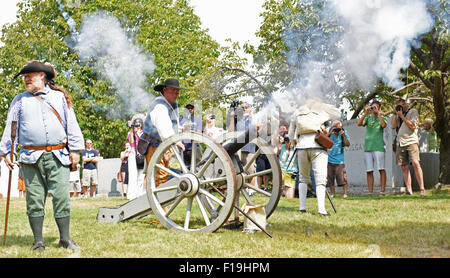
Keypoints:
pixel 324 214
pixel 302 210
pixel 70 245
pixel 251 192
pixel 38 246
pixel 382 193
pixel 345 195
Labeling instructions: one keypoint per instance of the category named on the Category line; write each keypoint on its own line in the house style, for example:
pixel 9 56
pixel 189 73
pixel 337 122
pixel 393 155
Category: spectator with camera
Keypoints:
pixel 406 121
pixel 135 160
pixel 211 129
pixel 374 146
pixel 336 167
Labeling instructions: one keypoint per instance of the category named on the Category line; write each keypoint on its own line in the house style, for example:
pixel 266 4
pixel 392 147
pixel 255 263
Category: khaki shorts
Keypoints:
pixel 89 177
pixel 407 154
pixel 75 186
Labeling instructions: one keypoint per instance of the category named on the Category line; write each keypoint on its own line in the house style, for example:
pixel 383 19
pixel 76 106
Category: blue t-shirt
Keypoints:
pixel 336 154
pixel 89 153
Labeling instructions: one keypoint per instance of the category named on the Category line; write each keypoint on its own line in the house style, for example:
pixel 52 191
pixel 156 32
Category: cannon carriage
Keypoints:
pixel 201 195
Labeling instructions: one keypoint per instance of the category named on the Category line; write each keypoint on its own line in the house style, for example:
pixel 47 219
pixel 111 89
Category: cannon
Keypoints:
pixel 201 195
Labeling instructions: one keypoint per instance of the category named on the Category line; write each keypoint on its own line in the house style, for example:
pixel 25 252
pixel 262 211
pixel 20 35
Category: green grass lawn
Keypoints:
pixel 394 226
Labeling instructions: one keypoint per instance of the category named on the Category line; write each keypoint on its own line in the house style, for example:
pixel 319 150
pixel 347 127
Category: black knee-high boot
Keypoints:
pixel 64 228
pixel 64 234
pixel 36 224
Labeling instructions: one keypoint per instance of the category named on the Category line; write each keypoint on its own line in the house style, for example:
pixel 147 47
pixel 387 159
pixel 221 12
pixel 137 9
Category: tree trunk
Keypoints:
pixel 442 112
pixel 444 158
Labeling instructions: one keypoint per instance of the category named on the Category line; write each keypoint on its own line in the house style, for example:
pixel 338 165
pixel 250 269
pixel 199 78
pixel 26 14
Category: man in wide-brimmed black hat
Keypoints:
pixel 161 121
pixel 50 140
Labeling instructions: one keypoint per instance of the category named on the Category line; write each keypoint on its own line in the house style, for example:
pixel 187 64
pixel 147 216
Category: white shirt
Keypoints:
pixel 161 120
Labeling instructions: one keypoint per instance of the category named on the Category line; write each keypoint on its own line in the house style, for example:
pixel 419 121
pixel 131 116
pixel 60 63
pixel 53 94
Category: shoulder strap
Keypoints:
pixel 51 108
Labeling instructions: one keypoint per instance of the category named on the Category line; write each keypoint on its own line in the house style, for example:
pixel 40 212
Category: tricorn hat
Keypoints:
pixel 37 66
pixel 171 82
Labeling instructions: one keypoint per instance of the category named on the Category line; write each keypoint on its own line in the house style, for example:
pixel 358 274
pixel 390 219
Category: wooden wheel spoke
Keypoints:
pixel 162 167
pixel 261 173
pixel 206 165
pixel 212 197
pixel 174 205
pixel 248 185
pixel 180 160
pixel 213 180
pixel 188 213
pixel 202 209
pixel 249 163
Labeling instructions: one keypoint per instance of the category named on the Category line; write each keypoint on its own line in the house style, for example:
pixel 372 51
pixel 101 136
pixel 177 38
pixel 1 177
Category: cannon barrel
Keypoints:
pixel 239 142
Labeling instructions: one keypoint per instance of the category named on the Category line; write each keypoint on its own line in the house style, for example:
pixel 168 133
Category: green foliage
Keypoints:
pixel 168 29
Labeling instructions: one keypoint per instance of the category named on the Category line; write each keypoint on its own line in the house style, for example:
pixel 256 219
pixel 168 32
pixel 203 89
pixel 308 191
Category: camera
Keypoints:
pixel 294 175
pixel 399 108
pixel 234 104
pixel 337 130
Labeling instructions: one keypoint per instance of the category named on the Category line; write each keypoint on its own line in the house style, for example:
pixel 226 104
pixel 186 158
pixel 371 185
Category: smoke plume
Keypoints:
pixel 370 40
pixel 103 43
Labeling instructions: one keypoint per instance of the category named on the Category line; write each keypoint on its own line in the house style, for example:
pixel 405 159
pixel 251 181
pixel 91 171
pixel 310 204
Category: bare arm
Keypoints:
pixel 361 120
pixel 346 141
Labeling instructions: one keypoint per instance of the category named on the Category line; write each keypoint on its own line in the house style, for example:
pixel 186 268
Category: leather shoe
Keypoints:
pixel 302 210
pixel 70 245
pixel 38 246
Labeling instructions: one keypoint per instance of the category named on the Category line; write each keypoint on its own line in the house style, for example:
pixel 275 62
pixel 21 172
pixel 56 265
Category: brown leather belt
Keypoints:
pixel 146 136
pixel 45 148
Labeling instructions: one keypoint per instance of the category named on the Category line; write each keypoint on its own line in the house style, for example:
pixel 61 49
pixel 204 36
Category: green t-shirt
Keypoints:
pixel 374 134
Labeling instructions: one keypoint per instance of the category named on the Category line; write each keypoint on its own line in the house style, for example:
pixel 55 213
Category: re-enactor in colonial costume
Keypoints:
pixel 161 122
pixel 50 139
pixel 305 123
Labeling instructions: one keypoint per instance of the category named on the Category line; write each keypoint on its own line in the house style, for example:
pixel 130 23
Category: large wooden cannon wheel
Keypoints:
pixel 199 195
pixel 191 192
pixel 254 194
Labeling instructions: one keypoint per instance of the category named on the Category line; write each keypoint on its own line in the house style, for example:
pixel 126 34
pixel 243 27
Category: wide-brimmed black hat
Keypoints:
pixel 37 66
pixel 171 82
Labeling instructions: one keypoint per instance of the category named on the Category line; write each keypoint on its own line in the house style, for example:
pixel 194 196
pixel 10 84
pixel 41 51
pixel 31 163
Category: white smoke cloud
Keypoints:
pixel 378 36
pixel 101 39
pixel 374 43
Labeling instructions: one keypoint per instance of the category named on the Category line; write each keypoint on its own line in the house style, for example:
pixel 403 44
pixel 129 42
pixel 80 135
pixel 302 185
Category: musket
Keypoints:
pixel 13 138
pixel 293 155
pixel 331 202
